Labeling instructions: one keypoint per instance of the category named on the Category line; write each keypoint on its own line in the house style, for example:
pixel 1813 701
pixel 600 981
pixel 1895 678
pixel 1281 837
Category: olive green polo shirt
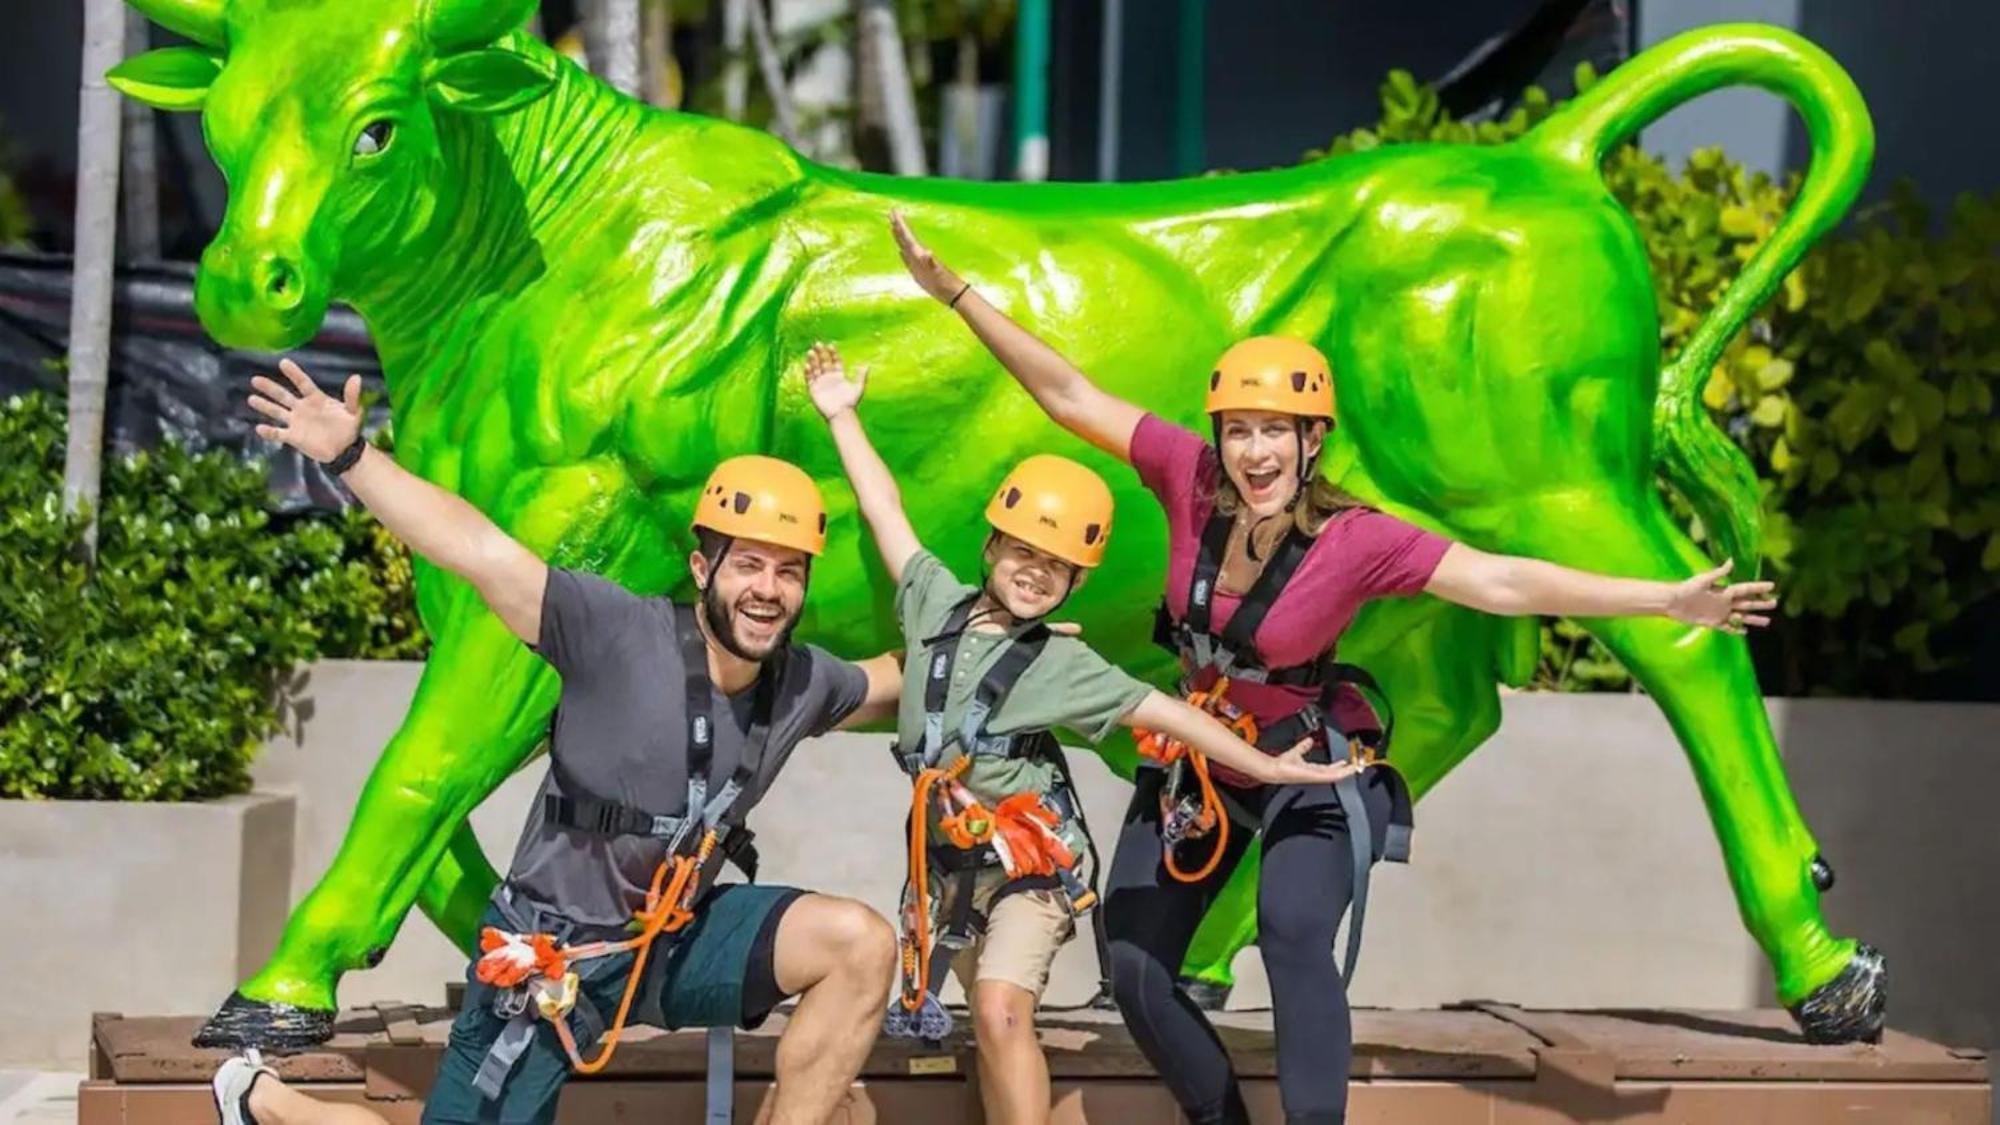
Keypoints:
pixel 1068 686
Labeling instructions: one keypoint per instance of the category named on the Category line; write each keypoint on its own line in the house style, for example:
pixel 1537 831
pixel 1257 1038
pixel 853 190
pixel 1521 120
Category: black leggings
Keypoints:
pixel 1307 879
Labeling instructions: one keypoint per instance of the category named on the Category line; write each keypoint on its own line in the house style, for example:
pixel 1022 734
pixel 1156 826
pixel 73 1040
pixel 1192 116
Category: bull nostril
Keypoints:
pixel 279 284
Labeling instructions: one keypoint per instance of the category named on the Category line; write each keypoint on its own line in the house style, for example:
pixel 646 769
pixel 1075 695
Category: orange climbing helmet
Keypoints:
pixel 763 498
pixel 1281 374
pixel 1055 505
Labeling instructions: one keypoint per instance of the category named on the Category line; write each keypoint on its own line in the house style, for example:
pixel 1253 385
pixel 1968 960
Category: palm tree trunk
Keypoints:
pixel 141 174
pixel 784 120
pixel 98 120
pixel 656 55
pixel 611 41
pixel 735 68
pixel 885 82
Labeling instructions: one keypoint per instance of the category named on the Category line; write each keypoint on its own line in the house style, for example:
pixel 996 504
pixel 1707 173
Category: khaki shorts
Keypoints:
pixel 1023 933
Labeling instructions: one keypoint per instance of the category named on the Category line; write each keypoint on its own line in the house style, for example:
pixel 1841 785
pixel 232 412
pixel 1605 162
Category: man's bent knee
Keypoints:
pixel 834 937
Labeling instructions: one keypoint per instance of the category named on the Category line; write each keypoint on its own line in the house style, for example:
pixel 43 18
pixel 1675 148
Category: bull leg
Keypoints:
pixel 455 893
pixel 480 709
pixel 1704 683
pixel 1438 664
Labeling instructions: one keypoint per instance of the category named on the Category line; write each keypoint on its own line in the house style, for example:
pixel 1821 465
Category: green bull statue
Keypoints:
pixel 583 303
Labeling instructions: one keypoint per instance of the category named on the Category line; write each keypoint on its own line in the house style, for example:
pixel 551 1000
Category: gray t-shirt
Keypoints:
pixel 620 734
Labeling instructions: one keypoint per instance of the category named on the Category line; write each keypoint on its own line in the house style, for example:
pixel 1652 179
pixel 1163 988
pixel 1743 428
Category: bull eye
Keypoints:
pixel 374 138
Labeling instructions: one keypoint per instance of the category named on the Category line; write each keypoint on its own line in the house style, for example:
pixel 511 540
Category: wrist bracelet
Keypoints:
pixel 962 291
pixel 347 458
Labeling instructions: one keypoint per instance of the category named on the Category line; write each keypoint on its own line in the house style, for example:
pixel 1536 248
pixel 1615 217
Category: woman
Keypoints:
pixel 1268 564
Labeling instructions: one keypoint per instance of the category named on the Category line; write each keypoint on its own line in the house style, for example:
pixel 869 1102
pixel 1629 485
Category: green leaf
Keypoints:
pixel 1774 374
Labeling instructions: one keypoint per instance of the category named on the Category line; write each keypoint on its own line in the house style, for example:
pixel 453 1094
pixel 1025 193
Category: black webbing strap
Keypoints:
pixel 701 722
pixel 705 808
pixel 1195 638
pixel 1024 644
pixel 1207 570
pixel 1239 636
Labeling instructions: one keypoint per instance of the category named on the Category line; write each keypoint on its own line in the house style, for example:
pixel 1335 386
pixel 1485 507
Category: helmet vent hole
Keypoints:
pixel 742 504
pixel 1298 380
pixel 1215 380
pixel 1091 533
pixel 1012 498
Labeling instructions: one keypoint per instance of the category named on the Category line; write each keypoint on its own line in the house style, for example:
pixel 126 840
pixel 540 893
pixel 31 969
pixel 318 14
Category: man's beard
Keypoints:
pixel 722 626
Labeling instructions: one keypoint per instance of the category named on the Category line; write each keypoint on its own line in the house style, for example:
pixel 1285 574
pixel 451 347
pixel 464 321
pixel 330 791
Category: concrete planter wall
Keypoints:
pixel 133 907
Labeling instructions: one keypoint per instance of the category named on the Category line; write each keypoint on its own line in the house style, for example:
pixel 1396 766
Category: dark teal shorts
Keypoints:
pixel 696 978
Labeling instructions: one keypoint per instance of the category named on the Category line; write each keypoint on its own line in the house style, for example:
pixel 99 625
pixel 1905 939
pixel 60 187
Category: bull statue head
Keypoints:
pixel 325 117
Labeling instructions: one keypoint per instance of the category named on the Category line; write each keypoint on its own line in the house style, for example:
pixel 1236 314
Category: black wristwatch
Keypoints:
pixel 346 458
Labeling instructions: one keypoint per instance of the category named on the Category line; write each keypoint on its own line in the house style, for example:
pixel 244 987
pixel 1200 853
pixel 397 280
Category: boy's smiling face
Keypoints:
pixel 1027 582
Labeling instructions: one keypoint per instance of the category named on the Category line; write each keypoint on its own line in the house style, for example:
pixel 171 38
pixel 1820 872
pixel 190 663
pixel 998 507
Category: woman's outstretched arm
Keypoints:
pixel 1064 393
pixel 1511 585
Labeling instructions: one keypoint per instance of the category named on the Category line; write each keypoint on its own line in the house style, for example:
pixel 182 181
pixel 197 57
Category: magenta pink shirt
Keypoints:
pixel 1359 555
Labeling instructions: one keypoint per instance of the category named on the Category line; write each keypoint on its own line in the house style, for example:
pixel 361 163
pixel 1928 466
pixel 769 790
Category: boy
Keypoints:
pixel 995 824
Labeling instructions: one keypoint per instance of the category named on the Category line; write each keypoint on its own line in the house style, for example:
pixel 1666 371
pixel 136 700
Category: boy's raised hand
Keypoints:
pixel 832 391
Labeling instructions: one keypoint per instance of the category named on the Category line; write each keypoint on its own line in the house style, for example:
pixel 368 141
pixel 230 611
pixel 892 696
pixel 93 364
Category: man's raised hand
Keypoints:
pixel 305 417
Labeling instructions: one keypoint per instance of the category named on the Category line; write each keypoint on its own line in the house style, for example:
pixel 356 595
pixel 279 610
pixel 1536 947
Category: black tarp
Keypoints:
pixel 168 379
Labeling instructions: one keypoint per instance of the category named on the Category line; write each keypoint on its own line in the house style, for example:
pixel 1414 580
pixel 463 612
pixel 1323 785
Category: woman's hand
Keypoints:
pixel 309 420
pixel 1735 608
pixel 931 274
pixel 833 393
pixel 1291 768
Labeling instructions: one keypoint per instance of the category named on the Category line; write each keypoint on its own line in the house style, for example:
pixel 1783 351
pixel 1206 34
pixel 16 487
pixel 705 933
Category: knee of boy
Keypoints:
pixel 999 1018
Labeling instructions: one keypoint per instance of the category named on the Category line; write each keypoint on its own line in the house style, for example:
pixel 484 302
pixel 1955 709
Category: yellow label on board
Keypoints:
pixel 935 1064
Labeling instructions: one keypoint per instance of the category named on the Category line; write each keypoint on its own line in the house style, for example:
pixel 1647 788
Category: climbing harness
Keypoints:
pixel 1192 807
pixel 535 975
pixel 1021 834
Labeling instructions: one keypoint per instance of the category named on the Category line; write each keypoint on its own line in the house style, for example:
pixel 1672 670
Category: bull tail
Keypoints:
pixel 1708 470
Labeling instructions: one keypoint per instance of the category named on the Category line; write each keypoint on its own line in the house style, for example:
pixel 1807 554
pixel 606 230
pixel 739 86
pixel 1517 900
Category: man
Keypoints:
pixel 671 724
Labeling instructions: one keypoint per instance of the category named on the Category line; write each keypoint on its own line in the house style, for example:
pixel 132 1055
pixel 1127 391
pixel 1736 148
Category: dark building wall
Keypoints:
pixel 1285 76
pixel 1930 70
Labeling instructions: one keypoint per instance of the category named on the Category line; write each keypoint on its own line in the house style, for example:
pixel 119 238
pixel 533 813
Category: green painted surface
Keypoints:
pixel 582 303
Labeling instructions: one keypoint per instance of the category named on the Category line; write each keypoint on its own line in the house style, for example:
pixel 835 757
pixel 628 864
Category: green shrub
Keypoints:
pixel 157 674
pixel 1863 393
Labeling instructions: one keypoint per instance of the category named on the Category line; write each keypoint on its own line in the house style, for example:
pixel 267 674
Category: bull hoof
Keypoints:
pixel 243 1022
pixel 1207 995
pixel 1850 1007
pixel 1822 874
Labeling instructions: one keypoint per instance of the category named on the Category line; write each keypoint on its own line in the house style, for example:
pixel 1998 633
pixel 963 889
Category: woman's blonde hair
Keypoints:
pixel 1318 502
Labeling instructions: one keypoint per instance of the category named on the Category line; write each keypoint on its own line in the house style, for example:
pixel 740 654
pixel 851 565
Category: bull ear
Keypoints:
pixel 489 80
pixel 169 78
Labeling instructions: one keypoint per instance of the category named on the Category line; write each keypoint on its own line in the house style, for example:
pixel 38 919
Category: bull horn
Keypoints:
pixel 199 20
pixel 458 24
